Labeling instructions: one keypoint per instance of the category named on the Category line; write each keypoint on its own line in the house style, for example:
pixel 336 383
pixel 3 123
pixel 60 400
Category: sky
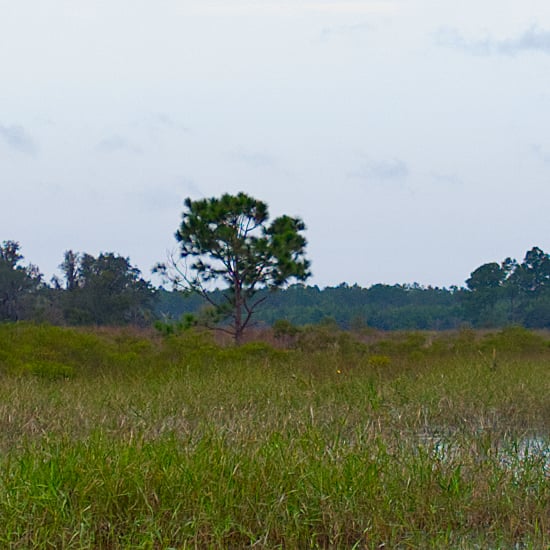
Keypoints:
pixel 411 136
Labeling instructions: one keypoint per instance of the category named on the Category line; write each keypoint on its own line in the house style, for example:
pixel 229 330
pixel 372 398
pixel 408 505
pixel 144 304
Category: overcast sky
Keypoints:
pixel 412 136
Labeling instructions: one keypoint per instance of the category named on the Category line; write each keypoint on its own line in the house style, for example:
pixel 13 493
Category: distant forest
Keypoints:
pixel 108 290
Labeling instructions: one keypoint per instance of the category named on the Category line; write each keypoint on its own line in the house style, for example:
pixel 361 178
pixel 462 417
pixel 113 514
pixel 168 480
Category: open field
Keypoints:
pixel 115 439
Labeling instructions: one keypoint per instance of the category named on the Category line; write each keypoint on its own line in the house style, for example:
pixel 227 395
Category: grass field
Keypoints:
pixel 113 439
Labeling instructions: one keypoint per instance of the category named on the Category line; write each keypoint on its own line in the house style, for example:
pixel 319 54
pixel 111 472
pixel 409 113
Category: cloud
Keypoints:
pixel 290 7
pixel 379 171
pixel 533 39
pixel 159 126
pixel 116 143
pixel 451 180
pixel 164 120
pixel 154 199
pixel 192 188
pixel 452 38
pixel 169 195
pixel 17 138
pixel 540 153
pixel 345 30
pixel 255 159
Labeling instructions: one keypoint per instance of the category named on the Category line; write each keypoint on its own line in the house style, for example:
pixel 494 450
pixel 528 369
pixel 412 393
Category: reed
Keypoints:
pixel 116 439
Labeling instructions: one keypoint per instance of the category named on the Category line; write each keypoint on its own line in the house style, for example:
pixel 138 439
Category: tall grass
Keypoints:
pixel 125 440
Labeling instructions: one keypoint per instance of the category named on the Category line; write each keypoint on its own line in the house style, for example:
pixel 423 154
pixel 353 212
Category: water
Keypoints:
pixel 517 454
pixel 526 452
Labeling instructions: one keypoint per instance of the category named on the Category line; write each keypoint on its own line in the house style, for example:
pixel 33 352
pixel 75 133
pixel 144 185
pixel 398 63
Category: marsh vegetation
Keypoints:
pixel 126 439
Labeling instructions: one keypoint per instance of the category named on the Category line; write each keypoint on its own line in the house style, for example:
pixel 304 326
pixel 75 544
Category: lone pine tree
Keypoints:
pixel 229 240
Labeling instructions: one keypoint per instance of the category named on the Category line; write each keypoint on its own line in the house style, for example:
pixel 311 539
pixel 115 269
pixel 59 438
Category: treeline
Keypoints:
pixel 495 295
pixel 350 307
pixel 108 290
pixel 102 290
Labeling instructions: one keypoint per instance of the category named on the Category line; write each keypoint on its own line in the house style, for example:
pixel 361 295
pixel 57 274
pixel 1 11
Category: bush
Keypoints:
pixel 515 339
pixel 315 338
pixel 379 361
pixel 49 370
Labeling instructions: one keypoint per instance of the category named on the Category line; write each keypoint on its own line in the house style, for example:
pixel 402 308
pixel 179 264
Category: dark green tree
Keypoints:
pixel 70 269
pixel 19 284
pixel 531 282
pixel 535 271
pixel 486 277
pixel 510 288
pixel 511 292
pixel 106 290
pixel 229 240
pixel 485 284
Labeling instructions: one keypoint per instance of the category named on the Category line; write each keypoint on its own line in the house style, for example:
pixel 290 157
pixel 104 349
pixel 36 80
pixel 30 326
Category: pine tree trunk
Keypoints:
pixel 238 314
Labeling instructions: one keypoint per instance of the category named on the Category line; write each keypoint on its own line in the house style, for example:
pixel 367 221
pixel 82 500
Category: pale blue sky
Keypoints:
pixel 410 135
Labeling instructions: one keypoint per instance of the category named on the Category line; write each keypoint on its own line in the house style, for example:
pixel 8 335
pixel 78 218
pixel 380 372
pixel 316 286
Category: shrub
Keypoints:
pixel 49 369
pixel 515 339
pixel 379 361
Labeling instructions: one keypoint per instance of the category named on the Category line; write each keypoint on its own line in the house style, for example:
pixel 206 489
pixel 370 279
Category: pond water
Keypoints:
pixel 517 454
pixel 526 451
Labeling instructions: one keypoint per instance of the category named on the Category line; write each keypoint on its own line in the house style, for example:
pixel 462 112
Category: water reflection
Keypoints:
pixel 517 454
